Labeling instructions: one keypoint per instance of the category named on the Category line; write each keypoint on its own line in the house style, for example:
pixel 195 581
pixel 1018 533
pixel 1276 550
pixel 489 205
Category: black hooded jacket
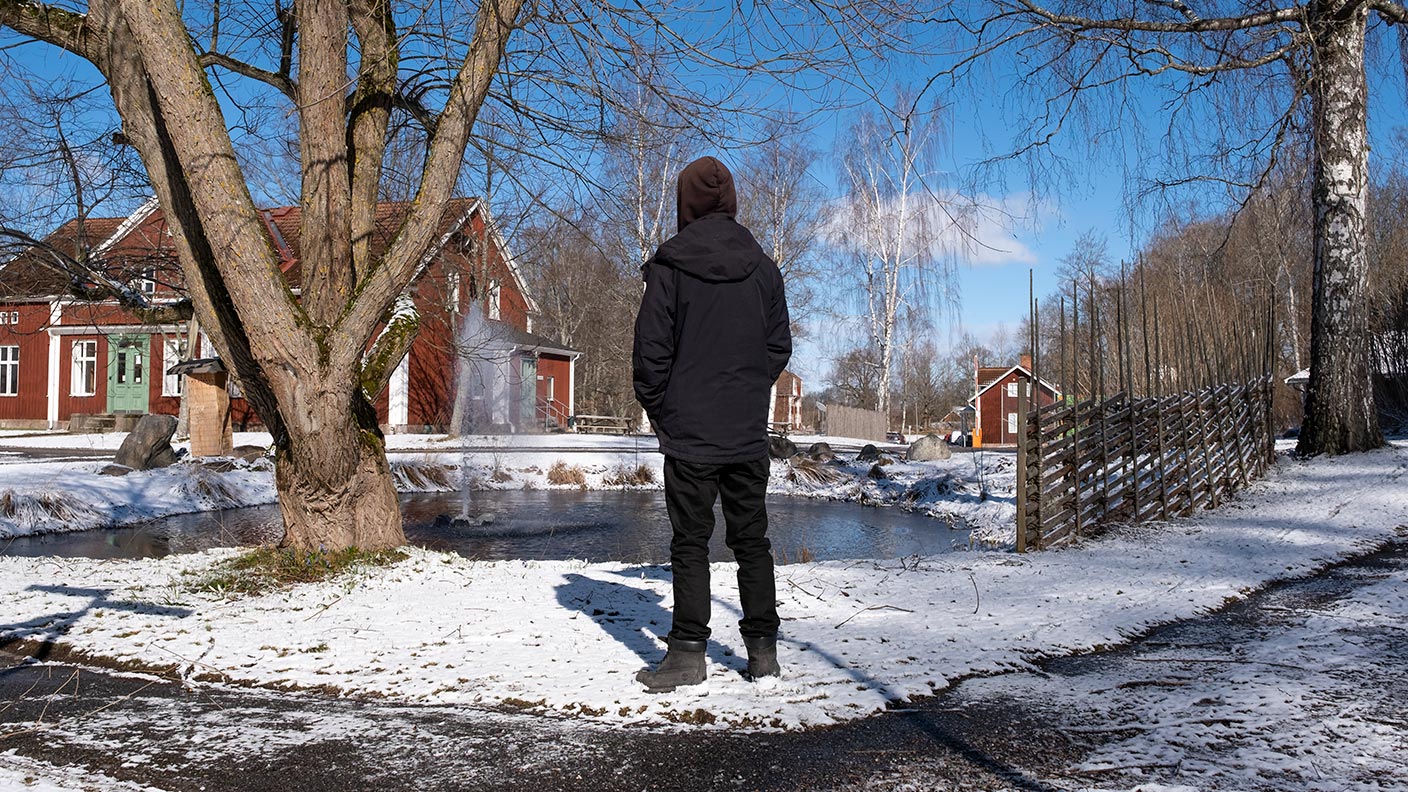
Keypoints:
pixel 712 334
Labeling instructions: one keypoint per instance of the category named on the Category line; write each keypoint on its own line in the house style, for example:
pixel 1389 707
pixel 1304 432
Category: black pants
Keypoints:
pixel 690 492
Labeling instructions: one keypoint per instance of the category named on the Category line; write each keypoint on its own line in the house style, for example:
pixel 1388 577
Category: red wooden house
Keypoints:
pixel 61 356
pixel 996 395
pixel 787 401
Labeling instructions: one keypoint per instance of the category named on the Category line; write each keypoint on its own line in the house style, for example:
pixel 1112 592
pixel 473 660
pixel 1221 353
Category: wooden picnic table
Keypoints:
pixel 601 424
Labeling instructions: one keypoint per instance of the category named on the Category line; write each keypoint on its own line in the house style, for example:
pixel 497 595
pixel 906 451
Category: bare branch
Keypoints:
pixel 57 26
pixel 1246 22
pixel 1396 13
pixel 281 82
pixel 494 23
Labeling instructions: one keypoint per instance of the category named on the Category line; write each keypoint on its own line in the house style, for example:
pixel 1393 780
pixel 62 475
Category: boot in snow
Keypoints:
pixel 762 657
pixel 683 665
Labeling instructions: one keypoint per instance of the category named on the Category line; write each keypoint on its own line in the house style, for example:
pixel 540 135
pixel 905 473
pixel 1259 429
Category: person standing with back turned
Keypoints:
pixel 712 336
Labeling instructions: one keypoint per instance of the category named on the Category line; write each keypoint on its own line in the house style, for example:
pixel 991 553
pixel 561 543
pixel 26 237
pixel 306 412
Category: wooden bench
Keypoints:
pixel 601 424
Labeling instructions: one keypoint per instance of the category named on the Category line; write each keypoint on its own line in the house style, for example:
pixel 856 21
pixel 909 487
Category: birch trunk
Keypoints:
pixel 1340 412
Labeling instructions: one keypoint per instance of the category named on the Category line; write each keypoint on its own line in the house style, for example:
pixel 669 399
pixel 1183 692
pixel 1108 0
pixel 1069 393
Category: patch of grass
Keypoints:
pixel 623 476
pixel 501 476
pixel 266 569
pixel 563 474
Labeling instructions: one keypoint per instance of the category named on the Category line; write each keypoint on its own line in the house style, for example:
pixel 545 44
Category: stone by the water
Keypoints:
pixel 781 447
pixel 148 445
pixel 928 448
pixel 868 453
pixel 459 521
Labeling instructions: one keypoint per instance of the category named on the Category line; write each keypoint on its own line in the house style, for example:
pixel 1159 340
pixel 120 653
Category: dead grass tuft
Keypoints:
pixel 421 476
pixel 801 470
pixel 563 474
pixel 46 508
pixel 623 476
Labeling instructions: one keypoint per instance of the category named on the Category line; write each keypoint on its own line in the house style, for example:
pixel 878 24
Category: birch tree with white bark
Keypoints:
pixel 896 230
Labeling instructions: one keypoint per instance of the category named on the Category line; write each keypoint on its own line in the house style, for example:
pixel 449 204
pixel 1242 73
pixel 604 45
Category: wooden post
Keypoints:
pixel 1076 406
pixel 1023 497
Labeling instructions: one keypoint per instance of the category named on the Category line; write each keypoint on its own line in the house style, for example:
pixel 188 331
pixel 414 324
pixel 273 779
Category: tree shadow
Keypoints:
pixel 45 631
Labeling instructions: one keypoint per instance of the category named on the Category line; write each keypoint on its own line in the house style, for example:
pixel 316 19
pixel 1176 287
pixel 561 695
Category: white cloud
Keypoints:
pixel 980 230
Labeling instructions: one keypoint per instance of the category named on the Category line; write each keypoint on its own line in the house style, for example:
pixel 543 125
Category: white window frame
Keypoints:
pixel 1012 390
pixel 147 282
pixel 1012 423
pixel 452 293
pixel 495 294
pixel 76 367
pixel 10 370
pixel 171 354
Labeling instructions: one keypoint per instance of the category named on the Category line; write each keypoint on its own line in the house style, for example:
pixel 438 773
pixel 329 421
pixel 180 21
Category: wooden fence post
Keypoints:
pixel 1023 497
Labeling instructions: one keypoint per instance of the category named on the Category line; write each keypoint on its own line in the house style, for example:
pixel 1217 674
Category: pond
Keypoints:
pixel 627 526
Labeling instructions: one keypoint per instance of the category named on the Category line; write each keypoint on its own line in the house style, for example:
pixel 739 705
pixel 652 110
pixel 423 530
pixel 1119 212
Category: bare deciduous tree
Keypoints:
pixel 781 202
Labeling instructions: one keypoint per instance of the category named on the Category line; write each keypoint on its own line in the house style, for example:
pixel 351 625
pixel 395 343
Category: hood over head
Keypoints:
pixel 705 187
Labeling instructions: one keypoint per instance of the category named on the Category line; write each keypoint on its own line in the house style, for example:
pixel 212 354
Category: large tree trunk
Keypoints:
pixel 1340 412
pixel 334 482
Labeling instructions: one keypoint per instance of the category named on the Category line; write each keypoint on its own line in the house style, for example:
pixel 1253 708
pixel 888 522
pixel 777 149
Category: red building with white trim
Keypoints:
pixel 996 395
pixel 62 356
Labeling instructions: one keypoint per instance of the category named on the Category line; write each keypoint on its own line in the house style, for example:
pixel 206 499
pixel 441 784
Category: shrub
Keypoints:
pixel 563 474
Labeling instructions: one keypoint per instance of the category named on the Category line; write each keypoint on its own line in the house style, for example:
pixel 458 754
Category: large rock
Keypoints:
pixel 148 445
pixel 249 453
pixel 868 453
pixel 929 448
pixel 781 447
pixel 821 452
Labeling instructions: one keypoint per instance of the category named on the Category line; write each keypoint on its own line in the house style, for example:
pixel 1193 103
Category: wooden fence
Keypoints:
pixel 1079 465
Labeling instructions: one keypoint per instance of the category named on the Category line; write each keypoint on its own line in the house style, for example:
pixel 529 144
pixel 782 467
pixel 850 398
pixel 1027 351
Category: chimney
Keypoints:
pixel 1027 361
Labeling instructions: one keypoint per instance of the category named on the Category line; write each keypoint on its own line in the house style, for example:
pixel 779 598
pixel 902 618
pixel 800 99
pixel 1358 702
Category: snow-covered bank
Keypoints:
pixel 40 496
pixel 566 638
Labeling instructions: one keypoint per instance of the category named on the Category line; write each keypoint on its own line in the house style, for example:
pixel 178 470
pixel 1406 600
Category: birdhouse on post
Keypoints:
pixel 207 406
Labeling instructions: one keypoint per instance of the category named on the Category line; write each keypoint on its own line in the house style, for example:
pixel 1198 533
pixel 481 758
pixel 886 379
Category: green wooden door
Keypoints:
pixel 129 370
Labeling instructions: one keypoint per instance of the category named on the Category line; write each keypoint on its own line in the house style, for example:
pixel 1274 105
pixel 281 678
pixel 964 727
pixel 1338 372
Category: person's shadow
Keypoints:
pixel 633 616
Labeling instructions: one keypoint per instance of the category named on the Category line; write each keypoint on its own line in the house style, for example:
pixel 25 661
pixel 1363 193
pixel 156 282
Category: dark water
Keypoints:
pixel 538 524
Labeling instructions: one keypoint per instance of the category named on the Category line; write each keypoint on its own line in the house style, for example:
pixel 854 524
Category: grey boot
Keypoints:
pixel 683 665
pixel 762 657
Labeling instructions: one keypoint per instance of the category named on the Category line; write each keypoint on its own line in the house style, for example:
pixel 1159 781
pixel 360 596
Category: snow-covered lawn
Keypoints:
pixel 41 496
pixel 566 638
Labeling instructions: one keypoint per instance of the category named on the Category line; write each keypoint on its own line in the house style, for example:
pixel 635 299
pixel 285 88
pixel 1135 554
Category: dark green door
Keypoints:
pixel 129 366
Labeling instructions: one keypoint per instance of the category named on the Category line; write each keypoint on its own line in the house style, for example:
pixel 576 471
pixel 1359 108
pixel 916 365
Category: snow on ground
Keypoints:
pixel 566 638
pixel 38 495
pixel 1311 701
pixel 21 774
